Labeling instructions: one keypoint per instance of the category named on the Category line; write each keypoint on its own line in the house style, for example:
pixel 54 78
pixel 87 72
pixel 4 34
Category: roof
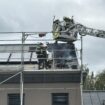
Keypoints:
pixel 11 53
pixel 63 54
pixel 94 97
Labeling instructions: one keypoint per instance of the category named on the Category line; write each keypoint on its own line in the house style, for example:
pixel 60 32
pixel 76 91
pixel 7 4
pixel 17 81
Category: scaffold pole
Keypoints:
pixel 22 70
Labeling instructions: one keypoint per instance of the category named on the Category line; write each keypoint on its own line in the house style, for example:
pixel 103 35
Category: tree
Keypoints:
pixel 100 81
pixel 89 82
pixel 95 82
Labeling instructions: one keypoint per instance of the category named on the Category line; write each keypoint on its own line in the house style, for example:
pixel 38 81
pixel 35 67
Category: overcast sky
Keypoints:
pixel 37 15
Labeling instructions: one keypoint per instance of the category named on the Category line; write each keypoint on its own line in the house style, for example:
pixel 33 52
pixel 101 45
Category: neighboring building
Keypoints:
pixel 41 87
pixel 94 97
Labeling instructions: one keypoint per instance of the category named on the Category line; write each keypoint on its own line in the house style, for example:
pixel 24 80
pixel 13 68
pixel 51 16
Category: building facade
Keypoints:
pixel 52 86
pixel 42 88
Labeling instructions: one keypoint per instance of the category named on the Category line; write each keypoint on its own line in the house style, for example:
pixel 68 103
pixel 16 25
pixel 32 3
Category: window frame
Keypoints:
pixel 62 95
pixel 15 94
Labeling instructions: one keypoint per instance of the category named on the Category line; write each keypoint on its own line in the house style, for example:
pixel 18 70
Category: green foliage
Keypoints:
pixel 95 82
pixel 100 81
pixel 89 82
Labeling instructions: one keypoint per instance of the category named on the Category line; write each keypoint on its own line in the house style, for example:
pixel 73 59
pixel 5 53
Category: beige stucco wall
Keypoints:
pixel 40 94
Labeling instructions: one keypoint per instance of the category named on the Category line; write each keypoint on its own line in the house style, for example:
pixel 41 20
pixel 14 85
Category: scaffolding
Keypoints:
pixel 21 71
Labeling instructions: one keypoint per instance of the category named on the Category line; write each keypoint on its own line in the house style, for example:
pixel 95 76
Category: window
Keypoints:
pixel 14 99
pixel 59 98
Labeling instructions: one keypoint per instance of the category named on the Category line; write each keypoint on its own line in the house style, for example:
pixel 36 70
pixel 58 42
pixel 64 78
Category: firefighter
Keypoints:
pixel 40 56
pixel 45 56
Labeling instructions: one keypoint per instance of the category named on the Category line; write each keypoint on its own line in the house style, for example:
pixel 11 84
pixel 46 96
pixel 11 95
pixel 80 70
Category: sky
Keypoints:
pixel 37 15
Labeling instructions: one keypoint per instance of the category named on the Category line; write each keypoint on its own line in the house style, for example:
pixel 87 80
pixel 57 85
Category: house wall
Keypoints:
pixel 40 94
